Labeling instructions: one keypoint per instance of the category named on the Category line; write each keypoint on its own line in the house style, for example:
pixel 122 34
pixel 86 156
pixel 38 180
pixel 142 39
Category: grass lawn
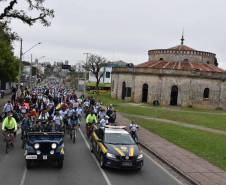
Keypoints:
pixel 211 147
pixel 193 116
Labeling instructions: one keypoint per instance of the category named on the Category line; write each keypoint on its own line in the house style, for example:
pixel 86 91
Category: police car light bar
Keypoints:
pixel 115 127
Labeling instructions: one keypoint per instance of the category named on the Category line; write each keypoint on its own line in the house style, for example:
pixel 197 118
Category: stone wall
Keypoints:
pixel 181 57
pixel 190 89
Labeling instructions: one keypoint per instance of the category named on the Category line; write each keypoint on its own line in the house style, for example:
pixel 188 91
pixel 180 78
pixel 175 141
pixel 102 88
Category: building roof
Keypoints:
pixel 183 65
pixel 182 48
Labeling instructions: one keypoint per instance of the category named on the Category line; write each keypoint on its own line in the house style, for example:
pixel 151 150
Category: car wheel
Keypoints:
pixel 102 163
pixel 60 164
pixel 28 164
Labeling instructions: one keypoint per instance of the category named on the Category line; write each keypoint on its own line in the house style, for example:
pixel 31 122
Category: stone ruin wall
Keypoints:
pixel 159 88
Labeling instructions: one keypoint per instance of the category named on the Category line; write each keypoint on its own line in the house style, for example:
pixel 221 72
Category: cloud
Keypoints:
pixel 127 29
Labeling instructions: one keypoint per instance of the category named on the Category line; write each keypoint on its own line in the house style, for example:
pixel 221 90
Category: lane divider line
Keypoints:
pixel 162 168
pixel 22 181
pixel 97 163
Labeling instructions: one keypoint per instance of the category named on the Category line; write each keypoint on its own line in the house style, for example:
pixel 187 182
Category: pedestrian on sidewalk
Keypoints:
pixel 13 97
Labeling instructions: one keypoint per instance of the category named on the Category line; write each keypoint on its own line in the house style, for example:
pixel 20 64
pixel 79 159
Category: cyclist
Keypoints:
pixel 133 130
pixel 9 125
pixel 25 128
pixel 8 107
pixel 91 119
pixel 79 112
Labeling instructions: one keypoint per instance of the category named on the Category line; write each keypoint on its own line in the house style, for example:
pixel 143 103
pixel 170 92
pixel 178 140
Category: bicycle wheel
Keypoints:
pixel 73 135
pixel 6 146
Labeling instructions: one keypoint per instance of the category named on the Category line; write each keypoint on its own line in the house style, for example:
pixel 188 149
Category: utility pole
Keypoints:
pixel 87 55
pixel 21 55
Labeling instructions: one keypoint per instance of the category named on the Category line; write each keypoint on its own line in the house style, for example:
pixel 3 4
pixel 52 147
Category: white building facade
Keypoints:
pixel 106 78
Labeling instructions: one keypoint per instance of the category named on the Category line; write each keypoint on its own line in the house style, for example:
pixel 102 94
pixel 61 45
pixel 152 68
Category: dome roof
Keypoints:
pixel 182 48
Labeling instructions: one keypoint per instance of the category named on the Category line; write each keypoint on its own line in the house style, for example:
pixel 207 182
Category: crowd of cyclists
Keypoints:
pixel 52 108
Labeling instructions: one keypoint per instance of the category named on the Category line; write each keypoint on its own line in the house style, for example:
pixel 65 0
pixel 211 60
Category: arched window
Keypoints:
pixel 206 93
pixel 145 93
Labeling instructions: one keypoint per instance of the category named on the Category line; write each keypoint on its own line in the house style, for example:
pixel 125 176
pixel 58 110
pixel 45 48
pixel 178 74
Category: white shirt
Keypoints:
pixel 63 113
pixel 44 116
pixel 8 107
pixel 101 114
pixel 79 111
pixel 103 122
pixel 57 119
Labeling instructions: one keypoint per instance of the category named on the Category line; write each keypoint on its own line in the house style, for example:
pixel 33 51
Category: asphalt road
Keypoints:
pixel 80 168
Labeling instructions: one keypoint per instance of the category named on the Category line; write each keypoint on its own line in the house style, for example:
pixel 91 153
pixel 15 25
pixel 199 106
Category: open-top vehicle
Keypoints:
pixel 42 146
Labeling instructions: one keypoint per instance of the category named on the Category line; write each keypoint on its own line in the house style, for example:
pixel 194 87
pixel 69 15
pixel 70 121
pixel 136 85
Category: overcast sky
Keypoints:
pixel 126 29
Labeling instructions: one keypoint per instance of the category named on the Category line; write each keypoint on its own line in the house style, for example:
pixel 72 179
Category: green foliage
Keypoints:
pixel 9 64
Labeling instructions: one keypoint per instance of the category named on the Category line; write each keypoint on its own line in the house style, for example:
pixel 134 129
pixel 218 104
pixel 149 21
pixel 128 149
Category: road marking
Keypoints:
pixel 101 170
pixel 23 177
pixel 161 167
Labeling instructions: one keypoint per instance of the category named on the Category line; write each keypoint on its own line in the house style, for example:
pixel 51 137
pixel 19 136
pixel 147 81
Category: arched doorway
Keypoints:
pixel 123 90
pixel 145 93
pixel 174 95
pixel 206 93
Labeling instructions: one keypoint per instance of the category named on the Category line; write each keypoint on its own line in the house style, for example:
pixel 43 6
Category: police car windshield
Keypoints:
pixel 118 138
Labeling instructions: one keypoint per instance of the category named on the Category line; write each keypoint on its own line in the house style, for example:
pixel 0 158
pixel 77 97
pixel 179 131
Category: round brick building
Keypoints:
pixel 176 76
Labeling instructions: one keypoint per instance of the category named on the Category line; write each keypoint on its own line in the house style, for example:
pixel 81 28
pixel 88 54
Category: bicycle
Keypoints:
pixel 24 132
pixel 9 140
pixel 73 133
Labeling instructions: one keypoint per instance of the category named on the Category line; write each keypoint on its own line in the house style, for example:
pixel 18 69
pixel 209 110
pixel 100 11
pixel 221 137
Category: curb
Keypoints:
pixel 168 163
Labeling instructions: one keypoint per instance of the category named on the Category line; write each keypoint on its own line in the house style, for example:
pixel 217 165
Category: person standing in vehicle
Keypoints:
pixel 58 121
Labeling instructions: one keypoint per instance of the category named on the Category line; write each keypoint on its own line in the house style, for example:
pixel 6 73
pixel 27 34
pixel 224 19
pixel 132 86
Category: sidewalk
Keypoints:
pixel 194 167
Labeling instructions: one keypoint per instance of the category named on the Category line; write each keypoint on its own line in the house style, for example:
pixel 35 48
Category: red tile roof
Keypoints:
pixel 184 65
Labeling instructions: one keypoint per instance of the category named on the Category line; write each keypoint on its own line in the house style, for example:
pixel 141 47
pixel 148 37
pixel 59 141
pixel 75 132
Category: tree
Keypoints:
pixel 11 12
pixel 94 65
pixel 9 64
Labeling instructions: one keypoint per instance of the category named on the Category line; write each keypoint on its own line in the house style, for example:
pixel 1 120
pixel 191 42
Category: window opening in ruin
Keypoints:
pixel 174 95
pixel 208 62
pixel 145 93
pixel 206 93
pixel 128 92
pixel 123 90
pixel 161 59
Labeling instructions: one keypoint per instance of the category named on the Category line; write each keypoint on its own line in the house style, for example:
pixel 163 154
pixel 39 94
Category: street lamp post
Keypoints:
pixel 87 56
pixel 21 56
